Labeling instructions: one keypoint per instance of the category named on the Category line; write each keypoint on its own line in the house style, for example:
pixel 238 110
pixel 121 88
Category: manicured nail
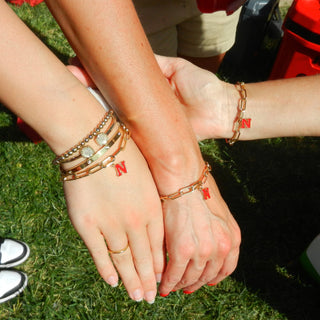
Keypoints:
pixel 187 292
pixel 137 295
pixel 158 277
pixel 112 281
pixel 212 284
pixel 164 295
pixel 150 296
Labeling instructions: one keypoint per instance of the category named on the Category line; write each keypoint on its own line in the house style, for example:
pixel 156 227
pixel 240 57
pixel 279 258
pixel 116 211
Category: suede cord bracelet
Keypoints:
pixel 197 185
pixel 240 122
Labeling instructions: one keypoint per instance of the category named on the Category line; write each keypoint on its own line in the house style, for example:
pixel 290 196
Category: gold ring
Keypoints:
pixel 119 251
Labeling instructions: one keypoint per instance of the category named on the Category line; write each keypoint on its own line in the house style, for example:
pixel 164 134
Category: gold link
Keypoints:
pixel 242 104
pixel 197 185
pixel 109 161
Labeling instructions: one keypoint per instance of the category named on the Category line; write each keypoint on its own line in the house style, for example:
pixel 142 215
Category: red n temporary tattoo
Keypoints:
pixel 206 194
pixel 246 123
pixel 120 168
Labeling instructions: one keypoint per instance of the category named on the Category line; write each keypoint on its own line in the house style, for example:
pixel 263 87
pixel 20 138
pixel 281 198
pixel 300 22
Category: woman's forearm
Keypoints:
pixel 110 42
pixel 40 89
pixel 280 108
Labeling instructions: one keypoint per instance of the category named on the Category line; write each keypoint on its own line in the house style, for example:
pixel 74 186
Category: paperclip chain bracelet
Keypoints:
pixel 197 185
pixel 107 162
pixel 242 104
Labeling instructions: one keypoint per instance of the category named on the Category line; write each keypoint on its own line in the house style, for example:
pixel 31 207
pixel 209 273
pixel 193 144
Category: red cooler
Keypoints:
pixel 299 52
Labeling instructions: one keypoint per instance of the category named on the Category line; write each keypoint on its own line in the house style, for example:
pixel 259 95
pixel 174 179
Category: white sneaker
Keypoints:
pixel 12 283
pixel 12 253
pixel 310 259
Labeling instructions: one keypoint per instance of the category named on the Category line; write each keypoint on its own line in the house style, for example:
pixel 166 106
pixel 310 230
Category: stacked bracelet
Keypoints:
pixel 66 156
pixel 197 185
pixel 92 164
pixel 96 151
pixel 239 121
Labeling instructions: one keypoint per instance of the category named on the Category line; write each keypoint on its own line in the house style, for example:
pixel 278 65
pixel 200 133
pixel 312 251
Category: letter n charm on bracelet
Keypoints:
pixel 120 168
pixel 246 123
pixel 206 193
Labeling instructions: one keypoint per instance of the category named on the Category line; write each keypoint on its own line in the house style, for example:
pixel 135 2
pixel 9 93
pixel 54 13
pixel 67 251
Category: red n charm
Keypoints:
pixel 206 193
pixel 246 123
pixel 120 168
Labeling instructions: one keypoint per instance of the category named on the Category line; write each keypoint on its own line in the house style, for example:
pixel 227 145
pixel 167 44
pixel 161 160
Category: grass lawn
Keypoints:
pixel 272 187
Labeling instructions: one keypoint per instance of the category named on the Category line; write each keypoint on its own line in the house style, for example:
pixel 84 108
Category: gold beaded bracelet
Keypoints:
pixel 64 157
pixel 92 156
pixel 108 160
pixel 197 185
pixel 239 121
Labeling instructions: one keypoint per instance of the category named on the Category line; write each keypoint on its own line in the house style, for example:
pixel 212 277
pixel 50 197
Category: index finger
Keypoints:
pixel 172 276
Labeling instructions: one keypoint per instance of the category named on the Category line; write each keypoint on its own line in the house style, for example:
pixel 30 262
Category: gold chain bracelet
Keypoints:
pixel 197 185
pixel 64 157
pixel 238 122
pixel 107 162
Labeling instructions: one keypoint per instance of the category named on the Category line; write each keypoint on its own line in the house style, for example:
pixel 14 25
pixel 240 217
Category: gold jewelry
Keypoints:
pixel 242 104
pixel 197 185
pixel 64 156
pixel 93 157
pixel 86 151
pixel 107 162
pixel 119 251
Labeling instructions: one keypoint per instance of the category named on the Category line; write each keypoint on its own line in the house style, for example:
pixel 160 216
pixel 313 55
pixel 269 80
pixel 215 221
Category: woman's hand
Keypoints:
pixel 210 104
pixel 202 240
pixel 202 237
pixel 110 211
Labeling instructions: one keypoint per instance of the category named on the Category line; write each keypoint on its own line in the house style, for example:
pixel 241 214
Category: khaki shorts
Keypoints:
pixel 177 27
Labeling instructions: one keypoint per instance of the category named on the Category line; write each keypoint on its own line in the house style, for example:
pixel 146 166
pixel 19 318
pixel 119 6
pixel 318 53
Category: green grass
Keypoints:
pixel 271 186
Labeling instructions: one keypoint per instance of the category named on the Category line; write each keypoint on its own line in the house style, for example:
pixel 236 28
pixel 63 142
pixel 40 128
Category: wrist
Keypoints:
pixel 231 109
pixel 174 156
pixel 174 169
pixel 72 123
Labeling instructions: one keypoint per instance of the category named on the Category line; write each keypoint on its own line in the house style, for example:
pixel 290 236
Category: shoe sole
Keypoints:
pixel 16 293
pixel 17 263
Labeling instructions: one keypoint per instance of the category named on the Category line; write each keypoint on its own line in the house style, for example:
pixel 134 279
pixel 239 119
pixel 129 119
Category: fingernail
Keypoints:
pixel 212 284
pixel 112 281
pixel 158 277
pixel 137 295
pixel 187 292
pixel 150 296
pixel 164 295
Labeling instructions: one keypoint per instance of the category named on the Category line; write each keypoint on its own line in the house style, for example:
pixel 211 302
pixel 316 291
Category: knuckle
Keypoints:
pixel 172 280
pixel 237 235
pixel 134 221
pixel 185 251
pixel 205 251
pixel 86 221
pixel 203 280
pixel 187 282
pixel 224 246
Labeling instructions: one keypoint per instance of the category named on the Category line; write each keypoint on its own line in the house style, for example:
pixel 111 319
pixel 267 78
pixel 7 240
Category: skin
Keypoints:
pixel 102 207
pixel 292 108
pixel 206 247
pixel 109 40
pixel 211 106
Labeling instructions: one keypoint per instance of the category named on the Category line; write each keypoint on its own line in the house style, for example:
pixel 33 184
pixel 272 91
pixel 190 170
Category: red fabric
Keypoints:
pixel 20 2
pixel 209 6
